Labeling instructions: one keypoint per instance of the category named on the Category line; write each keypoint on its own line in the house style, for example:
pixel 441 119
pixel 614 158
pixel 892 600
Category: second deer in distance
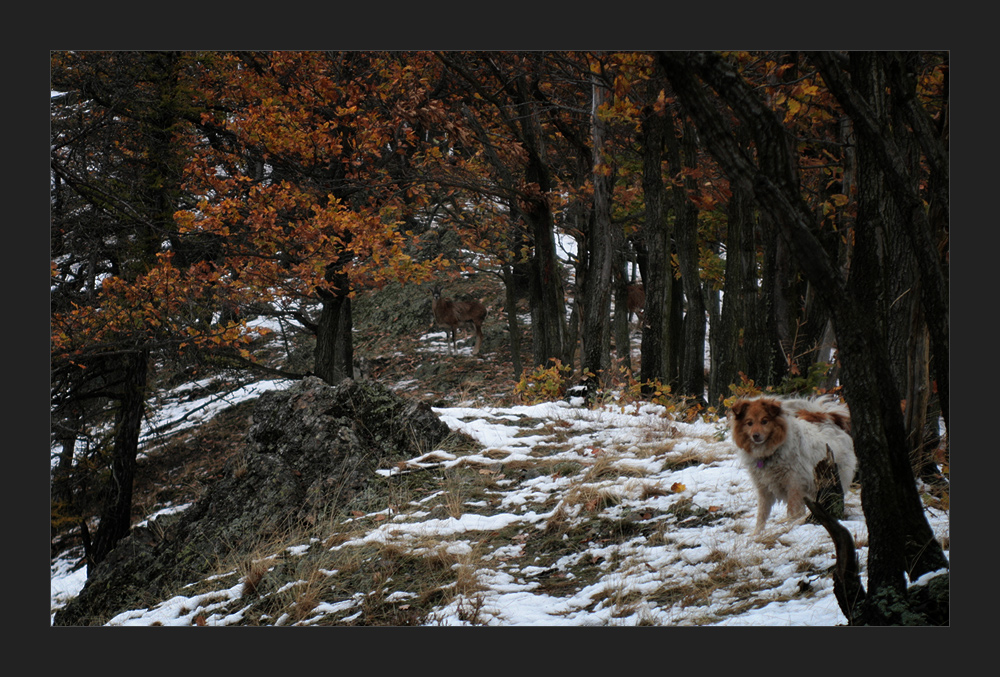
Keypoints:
pixel 450 314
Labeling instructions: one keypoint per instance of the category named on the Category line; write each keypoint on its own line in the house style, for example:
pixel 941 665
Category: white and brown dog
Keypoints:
pixel 781 440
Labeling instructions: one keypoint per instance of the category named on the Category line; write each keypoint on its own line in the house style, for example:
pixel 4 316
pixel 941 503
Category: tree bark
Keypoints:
pixel 620 320
pixel 691 370
pixel 546 288
pixel 513 328
pixel 548 325
pixel 333 356
pixel 598 284
pixel 656 349
pixel 743 342
pixel 334 352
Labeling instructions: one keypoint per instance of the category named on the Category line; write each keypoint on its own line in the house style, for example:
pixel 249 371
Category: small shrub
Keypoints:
pixel 745 388
pixel 544 384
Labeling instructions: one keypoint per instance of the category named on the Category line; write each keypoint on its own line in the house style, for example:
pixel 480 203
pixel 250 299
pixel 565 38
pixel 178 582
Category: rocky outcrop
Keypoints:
pixel 312 449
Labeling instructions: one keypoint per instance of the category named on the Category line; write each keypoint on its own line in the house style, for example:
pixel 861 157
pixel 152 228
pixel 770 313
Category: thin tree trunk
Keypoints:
pixel 620 322
pixel 597 288
pixel 513 329
pixel 743 345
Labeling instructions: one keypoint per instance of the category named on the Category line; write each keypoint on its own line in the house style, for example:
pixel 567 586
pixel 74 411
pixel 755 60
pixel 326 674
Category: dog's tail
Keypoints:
pixel 821 409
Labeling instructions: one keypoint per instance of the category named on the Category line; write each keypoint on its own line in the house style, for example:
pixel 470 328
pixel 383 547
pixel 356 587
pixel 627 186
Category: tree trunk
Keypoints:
pixel 548 322
pixel 882 266
pixel 334 352
pixel 116 515
pixel 691 370
pixel 656 349
pixel 548 325
pixel 620 321
pixel 743 342
pixel 513 329
pixel 597 287
pixel 779 288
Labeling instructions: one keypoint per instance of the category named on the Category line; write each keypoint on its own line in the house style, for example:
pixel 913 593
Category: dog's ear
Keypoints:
pixel 739 406
pixel 772 407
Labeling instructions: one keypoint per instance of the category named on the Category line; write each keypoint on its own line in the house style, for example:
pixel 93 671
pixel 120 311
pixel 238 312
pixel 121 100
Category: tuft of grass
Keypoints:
pixel 603 468
pixel 649 490
pixel 591 498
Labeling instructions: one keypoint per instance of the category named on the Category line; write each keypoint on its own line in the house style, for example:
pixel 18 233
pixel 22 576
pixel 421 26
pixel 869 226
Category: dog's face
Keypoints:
pixel 758 422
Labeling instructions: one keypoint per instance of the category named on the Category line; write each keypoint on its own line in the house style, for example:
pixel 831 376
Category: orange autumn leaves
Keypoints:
pixel 163 307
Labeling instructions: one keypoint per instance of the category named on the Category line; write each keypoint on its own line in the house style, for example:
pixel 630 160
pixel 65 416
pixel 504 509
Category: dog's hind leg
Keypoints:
pixel 796 505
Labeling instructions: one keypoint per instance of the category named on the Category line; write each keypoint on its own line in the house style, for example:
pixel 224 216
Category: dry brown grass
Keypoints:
pixel 252 572
pixel 603 468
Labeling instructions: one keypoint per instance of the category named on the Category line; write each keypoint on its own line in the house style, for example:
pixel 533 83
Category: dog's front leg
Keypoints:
pixel 765 500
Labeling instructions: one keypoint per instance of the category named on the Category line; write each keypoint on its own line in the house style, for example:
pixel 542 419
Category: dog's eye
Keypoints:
pixel 763 421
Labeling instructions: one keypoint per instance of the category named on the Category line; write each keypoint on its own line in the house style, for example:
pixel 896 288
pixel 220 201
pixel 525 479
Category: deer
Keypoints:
pixel 636 299
pixel 451 313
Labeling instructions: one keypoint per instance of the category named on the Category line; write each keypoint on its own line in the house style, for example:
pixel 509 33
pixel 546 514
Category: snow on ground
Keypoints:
pixel 653 454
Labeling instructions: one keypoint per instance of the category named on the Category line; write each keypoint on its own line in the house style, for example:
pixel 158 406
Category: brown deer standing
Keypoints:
pixel 636 299
pixel 453 313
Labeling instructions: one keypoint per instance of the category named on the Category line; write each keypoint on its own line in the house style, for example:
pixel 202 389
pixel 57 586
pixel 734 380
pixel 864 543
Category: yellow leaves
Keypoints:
pixel 660 105
pixel 677 487
pixel 800 101
pixel 603 169
pixel 835 202
pixel 793 109
pixel 805 91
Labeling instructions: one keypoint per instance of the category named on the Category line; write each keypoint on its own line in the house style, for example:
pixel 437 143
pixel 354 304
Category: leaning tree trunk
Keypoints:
pixel 922 235
pixel 883 262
